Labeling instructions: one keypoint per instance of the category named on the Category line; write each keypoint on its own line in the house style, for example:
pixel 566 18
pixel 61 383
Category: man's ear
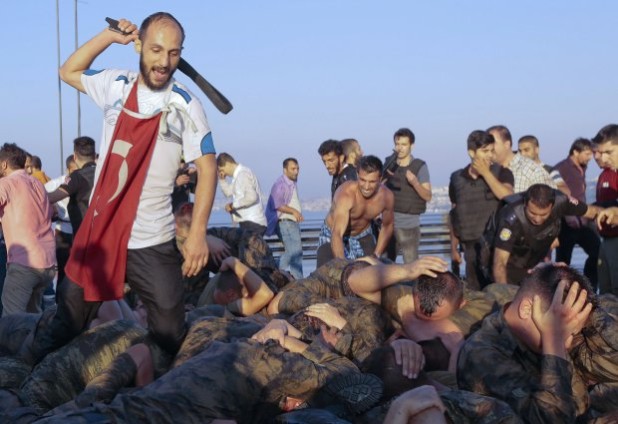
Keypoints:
pixel 462 304
pixel 525 308
pixel 137 45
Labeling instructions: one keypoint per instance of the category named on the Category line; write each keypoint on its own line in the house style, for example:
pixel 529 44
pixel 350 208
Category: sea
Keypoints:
pixel 314 219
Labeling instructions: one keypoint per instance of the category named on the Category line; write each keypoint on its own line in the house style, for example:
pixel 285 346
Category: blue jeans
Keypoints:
pixel 289 234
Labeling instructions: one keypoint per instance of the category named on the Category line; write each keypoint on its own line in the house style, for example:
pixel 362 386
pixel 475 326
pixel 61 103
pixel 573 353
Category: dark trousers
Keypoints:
pixel 253 227
pixel 471 253
pixel 63 249
pixel 154 273
pixel 589 241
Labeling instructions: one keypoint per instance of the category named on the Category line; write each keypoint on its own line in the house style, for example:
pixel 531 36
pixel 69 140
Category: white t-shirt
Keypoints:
pixel 187 134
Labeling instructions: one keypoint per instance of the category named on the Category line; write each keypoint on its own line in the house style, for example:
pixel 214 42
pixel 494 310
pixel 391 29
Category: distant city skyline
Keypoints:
pixel 301 72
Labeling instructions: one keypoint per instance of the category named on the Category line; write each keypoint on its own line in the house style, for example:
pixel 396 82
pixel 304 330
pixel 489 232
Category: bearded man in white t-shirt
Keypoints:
pixel 150 122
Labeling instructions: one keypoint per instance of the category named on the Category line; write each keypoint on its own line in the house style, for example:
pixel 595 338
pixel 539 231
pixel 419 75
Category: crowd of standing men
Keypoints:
pixel 361 339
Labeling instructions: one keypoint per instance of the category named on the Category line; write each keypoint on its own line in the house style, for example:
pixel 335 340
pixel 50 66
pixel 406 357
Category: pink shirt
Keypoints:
pixel 26 214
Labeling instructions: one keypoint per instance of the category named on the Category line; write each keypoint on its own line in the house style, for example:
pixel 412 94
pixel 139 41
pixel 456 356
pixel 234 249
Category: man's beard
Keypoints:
pixel 146 75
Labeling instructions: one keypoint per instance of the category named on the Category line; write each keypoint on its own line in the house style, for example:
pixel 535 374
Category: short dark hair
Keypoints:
pixel 503 131
pixel 224 158
pixel 329 146
pixel 288 160
pixel 543 282
pixel 529 139
pixel 609 133
pixel 83 147
pixel 478 139
pixel 579 145
pixel 370 164
pixel 36 162
pixel 404 132
pixel 541 195
pixel 69 160
pixel 432 291
pixel 227 280
pixel 159 16
pixel 14 155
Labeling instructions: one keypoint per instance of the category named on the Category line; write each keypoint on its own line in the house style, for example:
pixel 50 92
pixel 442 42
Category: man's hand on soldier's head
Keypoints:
pixel 427 265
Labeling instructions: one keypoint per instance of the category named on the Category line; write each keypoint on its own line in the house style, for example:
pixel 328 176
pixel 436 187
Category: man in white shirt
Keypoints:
pixel 150 122
pixel 246 207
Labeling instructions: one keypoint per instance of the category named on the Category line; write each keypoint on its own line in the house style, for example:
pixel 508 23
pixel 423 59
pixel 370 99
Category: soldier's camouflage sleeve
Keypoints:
pixel 120 373
pixel 300 294
pixel 64 373
pixel 537 387
pixel 466 407
pixel 305 372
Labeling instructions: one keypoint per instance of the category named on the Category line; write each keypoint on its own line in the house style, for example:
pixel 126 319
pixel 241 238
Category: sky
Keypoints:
pixel 301 72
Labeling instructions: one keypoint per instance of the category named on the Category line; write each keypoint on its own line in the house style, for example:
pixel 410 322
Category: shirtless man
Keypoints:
pixel 422 311
pixel 347 228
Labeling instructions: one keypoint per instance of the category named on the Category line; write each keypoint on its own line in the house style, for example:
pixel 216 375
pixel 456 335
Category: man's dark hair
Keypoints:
pixel 432 291
pixel 478 139
pixel 329 146
pixel 529 139
pixel 381 363
pixel 159 16
pixel 288 160
pixel 224 158
pixel 227 280
pixel 370 164
pixel 404 132
pixel 609 133
pixel 69 160
pixel 14 155
pixel 83 147
pixel 504 132
pixel 579 145
pixel 541 195
pixel 544 280
pixel 36 162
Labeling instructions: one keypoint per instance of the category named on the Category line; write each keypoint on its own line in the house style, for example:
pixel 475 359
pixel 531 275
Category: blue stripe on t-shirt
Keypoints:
pixel 182 92
pixel 123 78
pixel 206 145
pixel 91 72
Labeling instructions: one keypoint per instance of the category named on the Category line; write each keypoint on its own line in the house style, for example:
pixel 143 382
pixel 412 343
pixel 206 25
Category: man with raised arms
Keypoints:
pixel 151 122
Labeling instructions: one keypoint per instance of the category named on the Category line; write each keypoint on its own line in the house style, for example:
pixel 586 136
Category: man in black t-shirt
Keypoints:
pixel 520 234
pixel 331 152
pixel 80 183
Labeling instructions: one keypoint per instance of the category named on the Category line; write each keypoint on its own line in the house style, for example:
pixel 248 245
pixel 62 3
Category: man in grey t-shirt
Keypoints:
pixel 408 179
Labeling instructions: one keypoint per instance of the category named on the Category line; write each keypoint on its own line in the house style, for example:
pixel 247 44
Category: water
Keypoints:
pixel 314 219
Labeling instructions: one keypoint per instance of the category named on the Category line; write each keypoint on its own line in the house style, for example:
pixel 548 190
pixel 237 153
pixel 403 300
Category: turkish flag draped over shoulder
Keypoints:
pixel 99 253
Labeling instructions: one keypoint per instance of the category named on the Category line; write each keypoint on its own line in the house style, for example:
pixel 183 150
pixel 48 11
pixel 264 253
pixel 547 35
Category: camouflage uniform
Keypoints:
pixel 64 373
pixel 595 353
pixel 462 407
pixel 323 283
pixel 243 380
pixel 367 326
pixel 250 248
pixel 540 388
pixel 14 329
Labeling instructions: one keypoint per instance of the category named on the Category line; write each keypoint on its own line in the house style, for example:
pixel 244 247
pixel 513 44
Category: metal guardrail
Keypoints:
pixel 434 238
